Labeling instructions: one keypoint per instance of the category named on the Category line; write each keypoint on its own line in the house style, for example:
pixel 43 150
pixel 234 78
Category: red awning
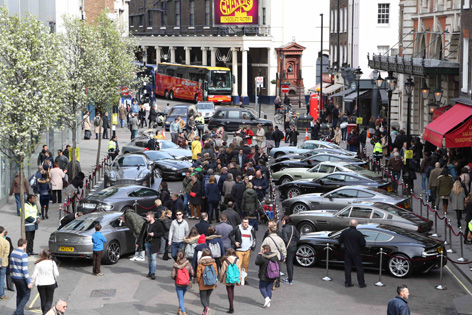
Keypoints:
pixel 441 110
pixel 454 125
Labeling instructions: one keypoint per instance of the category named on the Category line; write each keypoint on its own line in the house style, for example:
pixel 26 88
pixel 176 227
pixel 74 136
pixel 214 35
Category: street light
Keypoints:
pixel 281 57
pixel 409 85
pixel 380 81
pixel 425 91
pixel 391 84
pixel 358 74
pixel 438 95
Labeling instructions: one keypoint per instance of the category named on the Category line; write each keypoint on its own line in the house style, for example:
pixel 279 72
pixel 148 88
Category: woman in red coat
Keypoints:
pixel 249 135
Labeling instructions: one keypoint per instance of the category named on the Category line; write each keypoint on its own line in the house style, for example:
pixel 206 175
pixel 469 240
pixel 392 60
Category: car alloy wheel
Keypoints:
pixel 278 154
pixel 299 207
pixel 196 98
pixel 166 94
pixel 157 173
pixel 113 253
pixel 171 95
pixel 306 227
pixel 398 266
pixel 305 256
pixel 285 180
pixel 293 192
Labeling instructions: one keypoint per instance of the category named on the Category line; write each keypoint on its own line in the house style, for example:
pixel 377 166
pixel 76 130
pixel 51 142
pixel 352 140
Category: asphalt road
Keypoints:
pixel 125 290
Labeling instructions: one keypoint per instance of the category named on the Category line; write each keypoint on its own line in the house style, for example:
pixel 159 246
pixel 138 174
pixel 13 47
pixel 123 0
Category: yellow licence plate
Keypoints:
pixel 66 249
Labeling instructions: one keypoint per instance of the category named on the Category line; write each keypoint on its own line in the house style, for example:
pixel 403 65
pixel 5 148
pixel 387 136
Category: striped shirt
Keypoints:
pixel 19 265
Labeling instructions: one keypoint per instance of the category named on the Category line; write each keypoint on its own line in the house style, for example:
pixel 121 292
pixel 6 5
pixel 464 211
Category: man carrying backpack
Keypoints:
pixel 181 272
pixel 215 243
pixel 268 272
pixel 230 275
pixel 244 239
pixel 178 231
pixel 290 236
pixel 207 278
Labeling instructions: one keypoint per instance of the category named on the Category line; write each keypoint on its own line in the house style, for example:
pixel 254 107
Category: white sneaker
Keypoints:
pixel 139 259
pixel 266 302
pixel 133 258
pixel 282 274
pixel 268 305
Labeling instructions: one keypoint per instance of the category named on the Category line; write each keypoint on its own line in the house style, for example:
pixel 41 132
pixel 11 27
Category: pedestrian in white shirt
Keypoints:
pixel 44 277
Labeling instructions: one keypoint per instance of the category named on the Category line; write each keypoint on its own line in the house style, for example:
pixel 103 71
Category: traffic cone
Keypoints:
pixel 284 135
pixel 163 133
pixel 306 135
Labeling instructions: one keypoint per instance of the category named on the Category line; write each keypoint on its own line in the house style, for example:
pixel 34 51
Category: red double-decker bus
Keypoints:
pixel 196 83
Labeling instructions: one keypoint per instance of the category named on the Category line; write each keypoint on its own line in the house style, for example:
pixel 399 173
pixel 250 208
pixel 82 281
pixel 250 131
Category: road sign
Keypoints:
pixel 125 91
pixel 285 88
pixel 259 81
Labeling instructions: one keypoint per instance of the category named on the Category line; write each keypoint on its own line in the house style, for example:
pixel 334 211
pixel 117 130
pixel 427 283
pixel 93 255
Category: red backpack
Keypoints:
pixel 182 278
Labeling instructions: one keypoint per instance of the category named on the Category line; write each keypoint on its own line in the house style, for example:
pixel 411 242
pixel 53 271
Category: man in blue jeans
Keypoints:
pixel 153 231
pixel 4 252
pixel 15 189
pixel 20 276
pixel 178 231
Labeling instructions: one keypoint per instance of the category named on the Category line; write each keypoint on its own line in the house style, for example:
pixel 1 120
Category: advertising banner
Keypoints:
pixel 236 12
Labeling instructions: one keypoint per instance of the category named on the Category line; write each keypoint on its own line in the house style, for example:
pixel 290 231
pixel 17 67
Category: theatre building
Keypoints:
pixel 260 38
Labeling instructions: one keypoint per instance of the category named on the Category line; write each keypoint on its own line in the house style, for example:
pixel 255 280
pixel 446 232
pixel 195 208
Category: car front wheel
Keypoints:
pixel 293 192
pixel 399 267
pixel 157 173
pixel 285 179
pixel 112 253
pixel 299 207
pixel 278 154
pixel 306 227
pixel 305 256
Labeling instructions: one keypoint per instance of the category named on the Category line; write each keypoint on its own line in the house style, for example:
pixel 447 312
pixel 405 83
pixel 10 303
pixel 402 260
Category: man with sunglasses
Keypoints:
pixel 178 231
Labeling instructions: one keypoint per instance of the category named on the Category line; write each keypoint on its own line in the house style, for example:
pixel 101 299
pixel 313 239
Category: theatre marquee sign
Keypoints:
pixel 236 12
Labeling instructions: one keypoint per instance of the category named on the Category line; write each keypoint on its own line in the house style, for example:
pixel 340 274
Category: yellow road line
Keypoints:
pixel 460 282
pixel 37 294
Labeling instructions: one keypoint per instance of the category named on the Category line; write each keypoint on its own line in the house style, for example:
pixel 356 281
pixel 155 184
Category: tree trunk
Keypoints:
pixel 74 145
pixel 22 200
pixel 99 142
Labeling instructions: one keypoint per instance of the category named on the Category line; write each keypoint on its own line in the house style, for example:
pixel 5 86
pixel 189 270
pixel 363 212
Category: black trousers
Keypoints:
pixel 46 295
pixel 205 298
pixel 291 251
pixel 356 261
pixel 30 240
pixel 57 196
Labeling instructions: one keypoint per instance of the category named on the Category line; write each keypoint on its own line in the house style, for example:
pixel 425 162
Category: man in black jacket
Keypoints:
pixel 232 216
pixel 278 136
pixel 238 190
pixel 293 137
pixel 106 125
pixel 203 225
pixel 353 242
pixel 151 234
pixel 290 235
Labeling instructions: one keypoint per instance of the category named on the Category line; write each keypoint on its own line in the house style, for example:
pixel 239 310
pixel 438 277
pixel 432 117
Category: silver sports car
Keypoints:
pixel 168 146
pixel 75 239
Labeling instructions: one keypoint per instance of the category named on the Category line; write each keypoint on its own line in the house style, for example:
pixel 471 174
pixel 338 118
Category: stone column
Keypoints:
pixel 213 57
pixel 235 95
pixel 158 54
pixel 144 54
pixel 244 96
pixel 187 55
pixel 204 56
pixel 172 54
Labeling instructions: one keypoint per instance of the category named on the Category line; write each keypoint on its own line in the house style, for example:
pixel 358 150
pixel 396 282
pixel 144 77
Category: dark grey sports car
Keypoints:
pixel 168 146
pixel 363 212
pixel 120 198
pixel 166 166
pixel 75 239
pixel 132 168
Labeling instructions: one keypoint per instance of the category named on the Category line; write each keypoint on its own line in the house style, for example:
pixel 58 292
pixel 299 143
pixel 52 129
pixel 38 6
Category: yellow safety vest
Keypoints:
pixel 199 120
pixel 470 225
pixel 30 210
pixel 111 145
pixel 377 148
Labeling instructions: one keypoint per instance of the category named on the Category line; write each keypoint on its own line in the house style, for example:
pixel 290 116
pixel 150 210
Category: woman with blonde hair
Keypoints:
pixel 457 197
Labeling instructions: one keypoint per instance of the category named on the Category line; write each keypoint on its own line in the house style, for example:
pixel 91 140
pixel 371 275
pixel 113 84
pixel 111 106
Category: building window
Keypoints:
pixel 177 12
pixel 149 19
pixel 263 16
pixel 382 49
pixel 131 21
pixel 332 21
pixel 141 18
pixel 207 12
pixel 383 13
pixel 192 12
pixel 341 20
pixel 465 65
pixel 163 14
pixel 345 19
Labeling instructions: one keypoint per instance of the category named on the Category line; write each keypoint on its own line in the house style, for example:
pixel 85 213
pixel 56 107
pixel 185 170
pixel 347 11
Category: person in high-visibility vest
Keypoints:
pixel 200 122
pixel 113 149
pixel 377 152
pixel 31 222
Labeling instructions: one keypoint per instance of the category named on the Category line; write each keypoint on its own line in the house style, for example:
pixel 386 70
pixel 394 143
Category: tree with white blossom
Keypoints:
pixel 31 88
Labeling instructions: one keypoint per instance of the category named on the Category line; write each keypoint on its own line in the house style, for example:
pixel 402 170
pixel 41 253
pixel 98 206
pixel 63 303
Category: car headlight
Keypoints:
pixel 167 122
pixel 174 168
pixel 105 207
pixel 52 237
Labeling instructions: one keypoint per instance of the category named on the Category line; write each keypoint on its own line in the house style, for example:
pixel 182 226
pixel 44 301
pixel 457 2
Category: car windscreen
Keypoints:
pixel 178 111
pixel 354 168
pixel 107 192
pixel 130 161
pixel 168 145
pixel 205 106
pixel 394 210
pixel 156 155
pixel 79 225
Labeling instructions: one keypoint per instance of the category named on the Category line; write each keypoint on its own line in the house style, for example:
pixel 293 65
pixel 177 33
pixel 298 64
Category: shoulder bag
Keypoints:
pixel 282 257
pixel 55 281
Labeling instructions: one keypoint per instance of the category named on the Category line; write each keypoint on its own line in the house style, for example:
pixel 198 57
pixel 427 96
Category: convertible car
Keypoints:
pixel 323 168
pixel 132 168
pixel 363 212
pixel 341 152
pixel 167 146
pixel 340 198
pixel 328 183
pixel 120 198
pixel 75 239
pixel 314 160
pixel 397 244
pixel 307 146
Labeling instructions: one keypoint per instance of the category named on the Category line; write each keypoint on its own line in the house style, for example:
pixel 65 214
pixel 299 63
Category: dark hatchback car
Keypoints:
pixel 397 244
pixel 313 160
pixel 231 119
pixel 166 166
pixel 120 198
pixel 182 110
pixel 327 183
pixel 131 168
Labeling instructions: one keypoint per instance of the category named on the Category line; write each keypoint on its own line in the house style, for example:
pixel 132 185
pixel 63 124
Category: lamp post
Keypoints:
pixel 391 84
pixel 358 74
pixel 321 65
pixel 281 57
pixel 409 85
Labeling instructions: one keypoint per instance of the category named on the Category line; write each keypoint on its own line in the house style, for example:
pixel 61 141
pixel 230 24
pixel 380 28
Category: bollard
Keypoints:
pixel 135 206
pixel 435 223
pixel 440 286
pixel 379 283
pixel 461 241
pixel 69 206
pixel 421 204
pixel 445 231
pixel 327 277
pixel 427 212
pixel 450 250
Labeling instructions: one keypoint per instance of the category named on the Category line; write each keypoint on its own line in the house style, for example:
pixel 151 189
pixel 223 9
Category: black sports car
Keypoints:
pixel 328 183
pixel 167 166
pixel 120 198
pixel 314 160
pixel 397 244
pixel 131 168
pixel 300 156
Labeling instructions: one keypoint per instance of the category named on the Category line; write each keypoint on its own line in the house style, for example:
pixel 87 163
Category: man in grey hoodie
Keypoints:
pixel 178 231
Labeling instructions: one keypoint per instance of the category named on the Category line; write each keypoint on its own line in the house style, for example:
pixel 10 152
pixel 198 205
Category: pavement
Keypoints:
pixel 125 290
